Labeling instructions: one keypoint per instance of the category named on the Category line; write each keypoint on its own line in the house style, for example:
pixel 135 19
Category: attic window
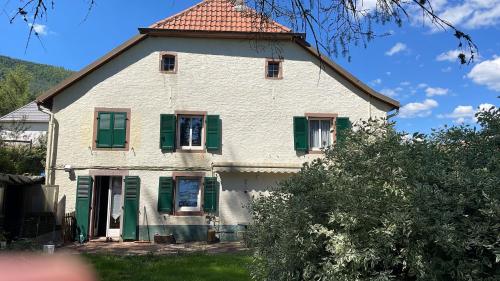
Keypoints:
pixel 274 69
pixel 168 63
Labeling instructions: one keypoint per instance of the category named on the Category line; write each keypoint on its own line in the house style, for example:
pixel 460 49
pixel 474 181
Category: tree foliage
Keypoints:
pixel 23 159
pixel 387 206
pixel 43 76
pixel 14 89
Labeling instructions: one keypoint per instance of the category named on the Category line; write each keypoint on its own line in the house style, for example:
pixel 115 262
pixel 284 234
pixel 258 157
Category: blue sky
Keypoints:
pixel 415 65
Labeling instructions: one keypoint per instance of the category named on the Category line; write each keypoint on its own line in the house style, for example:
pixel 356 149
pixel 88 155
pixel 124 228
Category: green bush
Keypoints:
pixel 386 206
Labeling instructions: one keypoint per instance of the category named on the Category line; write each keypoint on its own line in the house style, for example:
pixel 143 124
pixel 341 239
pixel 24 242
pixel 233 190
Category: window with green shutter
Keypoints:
pixel 210 194
pixel 111 130
pixel 167 132
pixel 165 194
pixel 343 124
pixel 300 133
pixel 213 142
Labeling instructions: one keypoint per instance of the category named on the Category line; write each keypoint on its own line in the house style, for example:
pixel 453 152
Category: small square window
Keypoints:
pixel 273 69
pixel 320 135
pixel 168 63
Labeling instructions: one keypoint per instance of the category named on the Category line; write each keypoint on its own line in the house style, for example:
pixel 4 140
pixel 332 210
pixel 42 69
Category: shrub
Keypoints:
pixel 386 206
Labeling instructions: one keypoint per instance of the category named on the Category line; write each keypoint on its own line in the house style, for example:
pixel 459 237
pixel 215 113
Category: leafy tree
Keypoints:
pixel 23 159
pixel 386 206
pixel 14 89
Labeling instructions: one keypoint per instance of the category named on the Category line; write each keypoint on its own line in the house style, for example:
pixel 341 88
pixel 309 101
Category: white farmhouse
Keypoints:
pixel 192 117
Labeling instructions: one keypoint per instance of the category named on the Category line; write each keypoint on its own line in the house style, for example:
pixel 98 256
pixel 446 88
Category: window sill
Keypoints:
pixel 316 151
pixel 110 149
pixel 168 72
pixel 191 150
pixel 189 214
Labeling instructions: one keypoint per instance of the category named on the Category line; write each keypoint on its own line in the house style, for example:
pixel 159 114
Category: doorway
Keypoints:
pixel 107 211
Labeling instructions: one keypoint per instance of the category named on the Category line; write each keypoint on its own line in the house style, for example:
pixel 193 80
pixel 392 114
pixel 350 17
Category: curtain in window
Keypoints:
pixel 325 133
pixel 314 135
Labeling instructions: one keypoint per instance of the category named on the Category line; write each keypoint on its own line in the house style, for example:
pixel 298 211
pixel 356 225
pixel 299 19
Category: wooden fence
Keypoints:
pixel 69 227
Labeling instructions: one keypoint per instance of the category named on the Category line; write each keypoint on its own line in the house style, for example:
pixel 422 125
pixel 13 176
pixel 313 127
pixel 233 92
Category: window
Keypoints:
pixel 168 63
pixel 274 69
pixel 188 195
pixel 191 132
pixel 320 133
pixel 111 129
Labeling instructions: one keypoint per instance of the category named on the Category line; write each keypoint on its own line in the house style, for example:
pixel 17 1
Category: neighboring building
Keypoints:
pixel 190 118
pixel 24 125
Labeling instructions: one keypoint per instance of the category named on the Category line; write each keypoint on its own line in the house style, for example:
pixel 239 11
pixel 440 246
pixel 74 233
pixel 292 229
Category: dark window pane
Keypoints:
pixel 184 130
pixel 196 125
pixel 273 69
pixel 168 63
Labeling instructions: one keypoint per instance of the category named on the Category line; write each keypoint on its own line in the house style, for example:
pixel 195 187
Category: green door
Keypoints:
pixel 131 208
pixel 82 208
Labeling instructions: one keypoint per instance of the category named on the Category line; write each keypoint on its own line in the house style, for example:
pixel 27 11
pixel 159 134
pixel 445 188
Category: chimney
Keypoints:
pixel 239 5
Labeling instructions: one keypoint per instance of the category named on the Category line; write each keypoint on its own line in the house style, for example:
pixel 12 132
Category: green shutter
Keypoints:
pixel 119 129
pixel 167 132
pixel 104 129
pixel 165 194
pixel 213 133
pixel 131 208
pixel 300 133
pixel 82 208
pixel 343 124
pixel 210 194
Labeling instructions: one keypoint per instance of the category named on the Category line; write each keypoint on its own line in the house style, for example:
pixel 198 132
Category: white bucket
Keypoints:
pixel 48 249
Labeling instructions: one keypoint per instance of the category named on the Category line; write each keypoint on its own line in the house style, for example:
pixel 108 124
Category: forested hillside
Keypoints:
pixel 43 76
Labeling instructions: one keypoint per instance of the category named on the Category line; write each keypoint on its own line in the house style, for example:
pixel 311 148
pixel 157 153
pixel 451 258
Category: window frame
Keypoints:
pixel 170 54
pixel 188 210
pixel 128 119
pixel 280 72
pixel 191 114
pixel 321 116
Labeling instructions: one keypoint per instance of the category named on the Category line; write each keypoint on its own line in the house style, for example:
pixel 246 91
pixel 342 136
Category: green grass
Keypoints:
pixel 217 267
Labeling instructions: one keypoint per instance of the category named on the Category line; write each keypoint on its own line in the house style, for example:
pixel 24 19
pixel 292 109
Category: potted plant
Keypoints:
pixel 3 240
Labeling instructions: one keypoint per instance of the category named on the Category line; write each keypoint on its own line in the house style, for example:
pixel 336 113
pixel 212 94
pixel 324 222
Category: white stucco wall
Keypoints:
pixel 224 77
pixel 30 131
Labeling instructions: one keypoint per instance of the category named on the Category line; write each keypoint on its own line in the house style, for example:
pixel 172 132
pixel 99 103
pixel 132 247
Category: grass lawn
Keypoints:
pixel 193 267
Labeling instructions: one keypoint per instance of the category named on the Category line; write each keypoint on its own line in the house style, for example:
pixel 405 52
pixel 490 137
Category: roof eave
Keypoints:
pixel 219 34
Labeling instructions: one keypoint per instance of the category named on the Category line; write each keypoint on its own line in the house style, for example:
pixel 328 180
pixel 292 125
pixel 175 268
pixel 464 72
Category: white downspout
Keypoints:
pixel 50 145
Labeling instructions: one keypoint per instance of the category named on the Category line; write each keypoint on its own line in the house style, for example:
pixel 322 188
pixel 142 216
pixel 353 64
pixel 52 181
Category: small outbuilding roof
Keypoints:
pixel 10 179
pixel 27 113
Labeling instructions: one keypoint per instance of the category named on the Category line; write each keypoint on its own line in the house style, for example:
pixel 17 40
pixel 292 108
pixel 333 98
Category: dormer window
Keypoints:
pixel 168 63
pixel 274 69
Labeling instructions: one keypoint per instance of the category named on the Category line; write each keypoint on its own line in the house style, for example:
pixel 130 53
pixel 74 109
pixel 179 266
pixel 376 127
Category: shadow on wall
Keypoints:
pixel 238 190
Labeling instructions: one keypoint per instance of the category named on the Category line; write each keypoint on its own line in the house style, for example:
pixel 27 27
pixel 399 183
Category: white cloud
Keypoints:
pixel 377 81
pixel 399 47
pixel 405 83
pixel 446 69
pixel 418 109
pixel 471 14
pixel 430 91
pixel 451 56
pixel 422 85
pixel 465 113
pixel 487 73
pixel 40 29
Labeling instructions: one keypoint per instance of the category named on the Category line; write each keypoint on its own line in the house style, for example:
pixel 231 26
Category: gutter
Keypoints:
pixel 50 145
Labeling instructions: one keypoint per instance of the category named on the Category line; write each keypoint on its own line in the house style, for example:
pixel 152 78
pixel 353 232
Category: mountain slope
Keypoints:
pixel 44 76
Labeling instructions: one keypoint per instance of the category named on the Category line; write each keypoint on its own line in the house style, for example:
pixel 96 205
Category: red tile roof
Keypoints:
pixel 220 15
